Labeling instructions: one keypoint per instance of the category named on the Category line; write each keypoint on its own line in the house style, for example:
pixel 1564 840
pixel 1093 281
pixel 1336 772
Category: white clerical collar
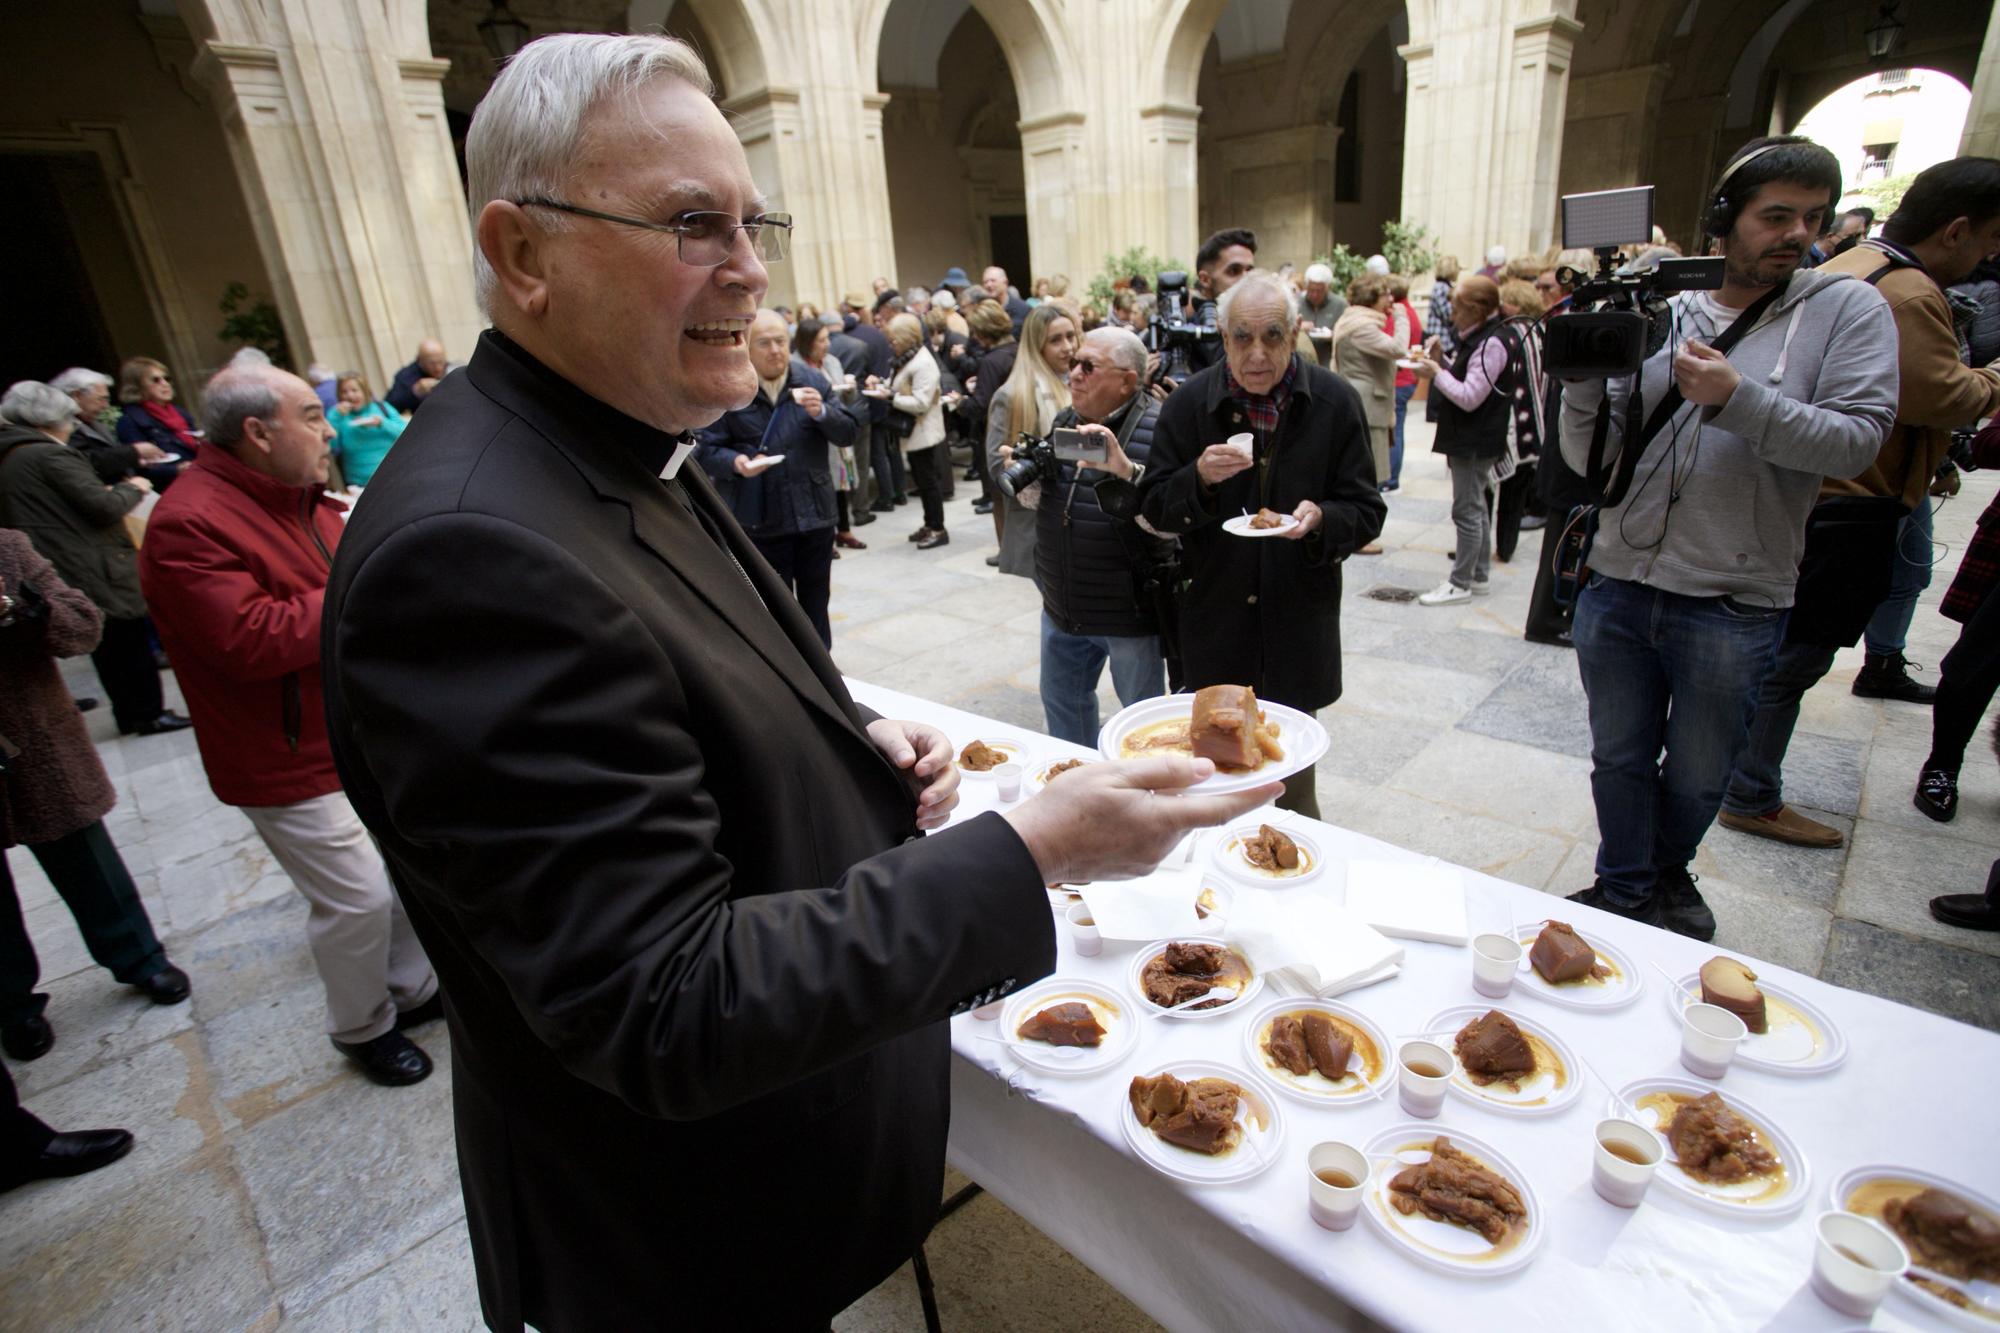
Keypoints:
pixel 680 454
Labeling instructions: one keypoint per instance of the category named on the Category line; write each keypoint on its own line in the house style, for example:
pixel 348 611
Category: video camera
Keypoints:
pixel 1614 316
pixel 1037 459
pixel 1170 332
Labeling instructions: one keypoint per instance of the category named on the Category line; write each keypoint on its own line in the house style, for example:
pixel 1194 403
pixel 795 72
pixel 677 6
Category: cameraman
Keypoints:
pixel 1693 569
pixel 1264 613
pixel 1092 566
pixel 1219 265
pixel 1947 222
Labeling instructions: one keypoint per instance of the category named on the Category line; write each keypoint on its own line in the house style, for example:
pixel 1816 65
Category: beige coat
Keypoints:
pixel 916 392
pixel 1365 354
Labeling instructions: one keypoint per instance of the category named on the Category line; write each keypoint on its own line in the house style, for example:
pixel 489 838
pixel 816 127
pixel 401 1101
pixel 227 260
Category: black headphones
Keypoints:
pixel 1720 215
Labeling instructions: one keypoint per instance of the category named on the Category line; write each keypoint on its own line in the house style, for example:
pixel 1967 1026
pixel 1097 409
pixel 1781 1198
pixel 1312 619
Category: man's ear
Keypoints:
pixel 512 244
pixel 258 434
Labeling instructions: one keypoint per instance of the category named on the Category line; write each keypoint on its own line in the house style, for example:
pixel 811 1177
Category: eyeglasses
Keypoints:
pixel 705 238
pixel 1080 367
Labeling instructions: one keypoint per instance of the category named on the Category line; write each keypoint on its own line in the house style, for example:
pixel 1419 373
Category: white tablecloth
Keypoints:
pixel 1916 1090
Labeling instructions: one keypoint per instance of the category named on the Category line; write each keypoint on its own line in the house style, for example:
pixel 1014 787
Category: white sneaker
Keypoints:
pixel 1482 588
pixel 1445 594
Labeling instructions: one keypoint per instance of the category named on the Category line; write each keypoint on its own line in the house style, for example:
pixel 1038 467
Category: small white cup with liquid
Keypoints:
pixel 1856 1260
pixel 1333 1204
pixel 1625 1156
pixel 1423 1073
pixel 1083 930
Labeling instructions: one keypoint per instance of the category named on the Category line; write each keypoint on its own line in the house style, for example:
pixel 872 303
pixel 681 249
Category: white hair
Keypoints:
pixel 317 373
pixel 1319 273
pixel 916 296
pixel 1123 346
pixel 249 356
pixel 33 403
pixel 77 378
pixel 1259 280
pixel 1378 265
pixel 528 130
pixel 1497 256
pixel 942 299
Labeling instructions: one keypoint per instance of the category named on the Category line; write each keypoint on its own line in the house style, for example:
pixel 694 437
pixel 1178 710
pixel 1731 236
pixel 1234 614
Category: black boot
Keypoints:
pixel 1889 678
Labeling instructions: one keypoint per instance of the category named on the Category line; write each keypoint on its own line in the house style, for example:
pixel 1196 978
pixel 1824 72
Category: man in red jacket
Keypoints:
pixel 235 571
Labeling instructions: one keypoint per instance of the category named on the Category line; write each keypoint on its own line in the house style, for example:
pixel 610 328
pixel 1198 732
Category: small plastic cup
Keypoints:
pixel 1710 1035
pixel 799 396
pixel 1616 1177
pixel 1083 931
pixel 1496 961
pixel 1855 1261
pixel 1007 778
pixel 1332 1205
pixel 1422 1094
pixel 1245 441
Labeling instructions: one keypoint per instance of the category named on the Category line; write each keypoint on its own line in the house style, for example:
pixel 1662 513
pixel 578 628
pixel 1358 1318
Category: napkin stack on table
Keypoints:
pixel 1412 900
pixel 1154 908
pixel 1305 943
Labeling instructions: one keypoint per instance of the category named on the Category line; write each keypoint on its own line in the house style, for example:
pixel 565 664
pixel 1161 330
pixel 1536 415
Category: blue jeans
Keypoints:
pixel 1667 673
pixel 1757 786
pixel 1403 395
pixel 1889 628
pixel 1071 664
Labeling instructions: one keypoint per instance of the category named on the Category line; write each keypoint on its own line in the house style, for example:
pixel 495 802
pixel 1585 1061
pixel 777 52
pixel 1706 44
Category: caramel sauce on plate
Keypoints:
pixel 1665 1104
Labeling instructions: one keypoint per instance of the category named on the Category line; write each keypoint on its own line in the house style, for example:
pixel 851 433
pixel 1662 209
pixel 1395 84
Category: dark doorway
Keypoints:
pixel 1009 237
pixel 63 234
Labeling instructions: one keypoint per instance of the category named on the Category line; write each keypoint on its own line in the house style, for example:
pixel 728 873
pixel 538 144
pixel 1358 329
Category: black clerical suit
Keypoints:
pixel 695 957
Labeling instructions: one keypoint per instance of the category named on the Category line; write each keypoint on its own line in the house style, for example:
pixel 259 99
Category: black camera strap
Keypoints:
pixel 1620 474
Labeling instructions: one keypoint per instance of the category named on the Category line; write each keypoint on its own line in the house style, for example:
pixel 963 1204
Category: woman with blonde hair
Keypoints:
pixel 152 416
pixel 1027 403
pixel 913 387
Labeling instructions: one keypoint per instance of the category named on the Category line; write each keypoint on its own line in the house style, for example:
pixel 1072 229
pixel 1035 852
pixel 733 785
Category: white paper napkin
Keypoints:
pixel 1304 938
pixel 1152 908
pixel 1412 900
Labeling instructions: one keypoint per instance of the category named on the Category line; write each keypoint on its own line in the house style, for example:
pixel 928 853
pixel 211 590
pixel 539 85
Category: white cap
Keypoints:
pixel 1318 273
pixel 1378 265
pixel 943 299
pixel 1497 255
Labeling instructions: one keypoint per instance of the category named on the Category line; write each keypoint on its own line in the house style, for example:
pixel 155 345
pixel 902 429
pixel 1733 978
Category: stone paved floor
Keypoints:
pixel 273 1188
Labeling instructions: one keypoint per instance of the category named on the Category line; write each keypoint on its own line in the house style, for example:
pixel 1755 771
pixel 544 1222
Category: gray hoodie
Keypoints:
pixel 1718 504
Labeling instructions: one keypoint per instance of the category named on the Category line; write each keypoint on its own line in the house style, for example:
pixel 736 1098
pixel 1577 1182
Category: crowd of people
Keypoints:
pixel 553 837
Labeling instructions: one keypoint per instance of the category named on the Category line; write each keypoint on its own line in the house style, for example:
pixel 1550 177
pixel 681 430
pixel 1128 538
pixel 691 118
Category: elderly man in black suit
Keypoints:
pixel 695 950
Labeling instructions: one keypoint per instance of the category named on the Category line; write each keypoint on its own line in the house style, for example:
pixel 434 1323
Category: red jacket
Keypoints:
pixel 234 566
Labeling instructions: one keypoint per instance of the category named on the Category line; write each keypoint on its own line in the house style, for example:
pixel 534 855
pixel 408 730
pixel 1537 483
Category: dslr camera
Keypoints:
pixel 1037 459
pixel 1170 332
pixel 1616 318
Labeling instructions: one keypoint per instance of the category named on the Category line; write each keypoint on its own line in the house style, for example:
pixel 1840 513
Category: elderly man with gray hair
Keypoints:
pixel 1103 578
pixel 1264 613
pixel 697 953
pixel 1320 308
pixel 112 458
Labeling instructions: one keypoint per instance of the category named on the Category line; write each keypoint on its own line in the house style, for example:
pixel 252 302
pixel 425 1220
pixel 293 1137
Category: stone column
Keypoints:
pixel 1982 119
pixel 335 122
pixel 1055 166
pixel 1171 193
pixel 768 124
pixel 1483 136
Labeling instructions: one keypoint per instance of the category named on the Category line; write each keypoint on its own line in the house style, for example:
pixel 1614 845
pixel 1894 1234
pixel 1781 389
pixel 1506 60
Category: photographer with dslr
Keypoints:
pixel 1762 387
pixel 1264 613
pixel 1100 574
pixel 1184 330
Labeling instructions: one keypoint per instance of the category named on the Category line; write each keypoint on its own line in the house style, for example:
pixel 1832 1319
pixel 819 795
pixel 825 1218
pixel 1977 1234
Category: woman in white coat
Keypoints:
pixel 914 393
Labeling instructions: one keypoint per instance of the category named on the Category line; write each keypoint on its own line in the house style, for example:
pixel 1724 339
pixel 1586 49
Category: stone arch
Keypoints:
pixel 738 30
pixel 1031 40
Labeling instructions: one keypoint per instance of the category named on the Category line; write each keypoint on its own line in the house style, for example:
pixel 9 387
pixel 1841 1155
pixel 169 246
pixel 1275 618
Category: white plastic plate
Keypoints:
pixel 1114 1013
pixel 1263 1131
pixel 1228 857
pixel 1801 1039
pixel 1300 736
pixel 1758 1198
pixel 1613 992
pixel 1444 1245
pixel 1549 1090
pixel 1146 955
pixel 1367 1078
pixel 1844 1190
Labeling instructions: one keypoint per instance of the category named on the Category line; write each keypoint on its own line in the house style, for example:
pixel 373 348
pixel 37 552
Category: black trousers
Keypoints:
pixel 889 481
pixel 1513 502
pixel 125 666
pixel 928 469
pixel 1967 680
pixel 804 560
pixel 22 1136
pixel 87 871
pixel 1548 618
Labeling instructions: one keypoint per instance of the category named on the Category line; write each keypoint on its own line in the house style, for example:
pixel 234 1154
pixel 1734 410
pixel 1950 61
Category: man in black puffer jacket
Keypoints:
pixel 1093 562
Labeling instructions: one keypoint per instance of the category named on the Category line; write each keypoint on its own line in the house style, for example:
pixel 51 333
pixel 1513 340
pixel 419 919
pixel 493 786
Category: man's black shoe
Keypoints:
pixel 169 985
pixel 85 704
pixel 982 506
pixel 1969 911
pixel 902 500
pixel 1682 909
pixel 74 1154
pixel 863 518
pixel 430 1011
pixel 1552 640
pixel 882 506
pixel 1646 913
pixel 939 537
pixel 972 474
pixel 994 560
pixel 165 722
pixel 392 1059
pixel 29 1039
pixel 1937 794
pixel 1889 678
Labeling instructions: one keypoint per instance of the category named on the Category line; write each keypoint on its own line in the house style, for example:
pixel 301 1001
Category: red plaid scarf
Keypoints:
pixel 1265 409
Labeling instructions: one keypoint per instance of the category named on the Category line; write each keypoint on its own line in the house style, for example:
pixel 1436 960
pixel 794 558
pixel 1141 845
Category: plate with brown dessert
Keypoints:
pixel 1267 855
pixel 1263 523
pixel 1566 967
pixel 1251 741
pixel 1042 774
pixel 1451 1201
pixel 1722 1152
pixel 1171 976
pixel 1068 1026
pixel 1788 1035
pixel 978 758
pixel 1949 1229
pixel 1319 1052
pixel 1205 1124
pixel 1508 1062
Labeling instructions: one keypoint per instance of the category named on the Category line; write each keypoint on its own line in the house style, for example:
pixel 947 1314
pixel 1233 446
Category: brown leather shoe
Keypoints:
pixel 1372 548
pixel 1784 825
